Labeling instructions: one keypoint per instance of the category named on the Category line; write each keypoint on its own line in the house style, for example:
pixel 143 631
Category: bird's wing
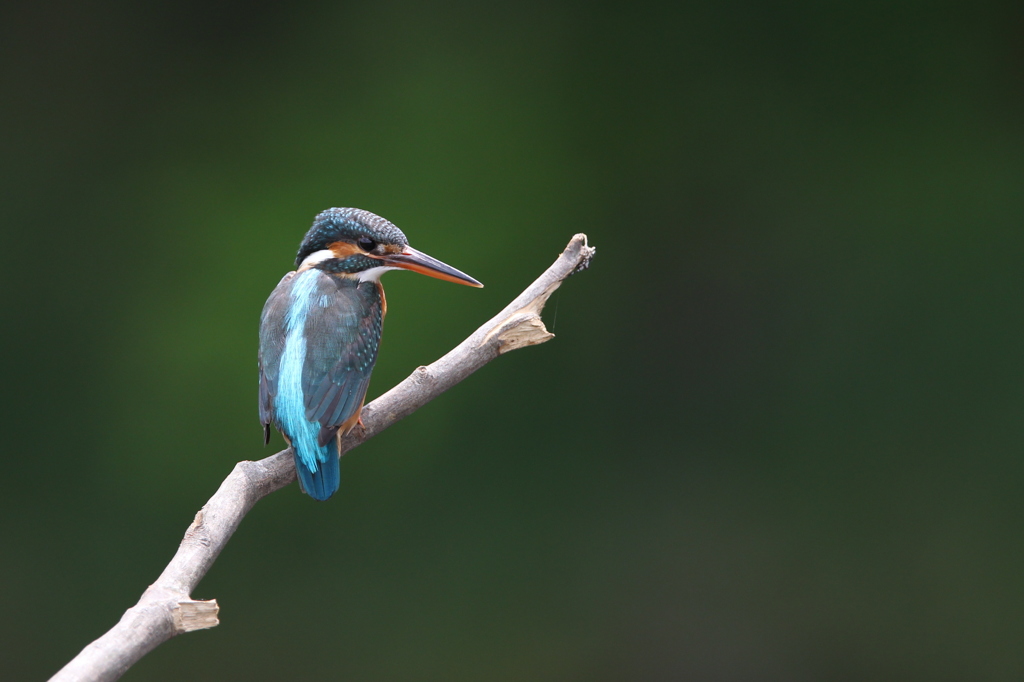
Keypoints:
pixel 342 339
pixel 272 337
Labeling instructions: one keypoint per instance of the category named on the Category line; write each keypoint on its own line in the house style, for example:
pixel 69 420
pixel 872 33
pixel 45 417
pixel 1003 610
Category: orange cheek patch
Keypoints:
pixel 344 249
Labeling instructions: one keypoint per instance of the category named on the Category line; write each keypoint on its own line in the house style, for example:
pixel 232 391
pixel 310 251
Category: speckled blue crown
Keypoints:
pixel 347 224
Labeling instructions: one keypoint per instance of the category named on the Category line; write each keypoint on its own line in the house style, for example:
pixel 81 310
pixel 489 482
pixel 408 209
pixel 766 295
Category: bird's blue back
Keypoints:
pixel 319 336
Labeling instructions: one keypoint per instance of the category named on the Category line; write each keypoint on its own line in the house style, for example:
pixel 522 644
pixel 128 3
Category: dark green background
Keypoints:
pixel 778 436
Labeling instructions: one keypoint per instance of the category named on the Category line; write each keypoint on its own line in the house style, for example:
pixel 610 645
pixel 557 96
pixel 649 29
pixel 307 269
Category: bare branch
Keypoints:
pixel 167 609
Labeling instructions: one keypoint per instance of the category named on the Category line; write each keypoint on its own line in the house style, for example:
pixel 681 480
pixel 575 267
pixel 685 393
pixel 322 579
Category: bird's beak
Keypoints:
pixel 417 261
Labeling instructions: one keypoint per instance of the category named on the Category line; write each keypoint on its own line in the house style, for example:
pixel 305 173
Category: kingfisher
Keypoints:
pixel 320 332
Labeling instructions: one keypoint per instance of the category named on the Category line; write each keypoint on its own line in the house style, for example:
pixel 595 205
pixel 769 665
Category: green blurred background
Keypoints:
pixel 778 436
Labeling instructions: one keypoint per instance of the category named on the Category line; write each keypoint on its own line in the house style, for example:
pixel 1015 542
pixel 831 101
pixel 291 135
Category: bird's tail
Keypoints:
pixel 319 475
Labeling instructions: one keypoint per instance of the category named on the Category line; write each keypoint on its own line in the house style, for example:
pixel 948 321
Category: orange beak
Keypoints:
pixel 417 261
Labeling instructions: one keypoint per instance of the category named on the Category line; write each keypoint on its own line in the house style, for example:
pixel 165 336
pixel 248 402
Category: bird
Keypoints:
pixel 320 331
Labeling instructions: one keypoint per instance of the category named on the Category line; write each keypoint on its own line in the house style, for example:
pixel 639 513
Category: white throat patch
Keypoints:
pixel 373 274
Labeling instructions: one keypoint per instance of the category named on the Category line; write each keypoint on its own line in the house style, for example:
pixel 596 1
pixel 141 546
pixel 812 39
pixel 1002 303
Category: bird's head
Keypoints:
pixel 359 244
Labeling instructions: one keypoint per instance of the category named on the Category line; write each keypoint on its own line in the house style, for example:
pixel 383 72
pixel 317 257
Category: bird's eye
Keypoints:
pixel 366 244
